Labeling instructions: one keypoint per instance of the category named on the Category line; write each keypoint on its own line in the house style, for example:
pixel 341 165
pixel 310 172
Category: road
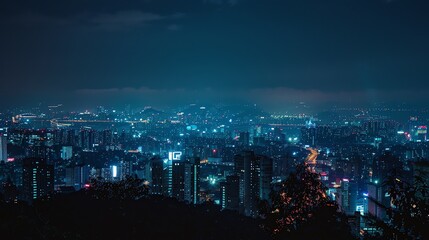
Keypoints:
pixel 312 156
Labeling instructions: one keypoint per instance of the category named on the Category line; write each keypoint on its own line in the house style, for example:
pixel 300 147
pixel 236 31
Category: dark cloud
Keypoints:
pixel 126 18
pixel 115 20
pixel 174 27
pixel 221 2
pixel 276 50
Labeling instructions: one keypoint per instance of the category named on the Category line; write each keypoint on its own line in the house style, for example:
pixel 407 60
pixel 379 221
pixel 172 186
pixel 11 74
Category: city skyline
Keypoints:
pixel 214 119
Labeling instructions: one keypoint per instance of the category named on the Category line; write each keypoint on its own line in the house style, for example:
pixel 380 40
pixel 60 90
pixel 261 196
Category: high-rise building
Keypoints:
pixel 66 152
pixel 178 180
pixel 3 147
pixel 87 138
pixel 192 180
pixel 167 179
pixel 308 136
pixel 185 180
pixel 115 171
pixel 377 198
pixel 157 175
pixel 347 196
pixel 259 141
pixel 106 173
pixel 421 134
pixel 125 168
pixel 77 176
pixel 10 191
pixel 316 135
pixel 244 138
pixel 255 174
pixel 70 137
pixel 37 179
pixel 107 138
pixel 265 176
pixel 176 177
pixel 386 165
pixel 230 193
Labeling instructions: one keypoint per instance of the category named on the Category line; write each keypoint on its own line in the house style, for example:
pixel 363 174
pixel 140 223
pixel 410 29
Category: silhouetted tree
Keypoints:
pixel 301 209
pixel 408 217
pixel 130 188
pixel 10 191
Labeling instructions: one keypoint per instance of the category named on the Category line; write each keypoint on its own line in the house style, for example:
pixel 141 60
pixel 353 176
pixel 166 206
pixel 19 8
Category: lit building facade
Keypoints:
pixel 37 179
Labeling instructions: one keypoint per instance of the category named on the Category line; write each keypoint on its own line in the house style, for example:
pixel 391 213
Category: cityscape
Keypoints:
pixel 233 119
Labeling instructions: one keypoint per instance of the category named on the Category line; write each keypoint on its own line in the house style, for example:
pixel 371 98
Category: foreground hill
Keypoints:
pixel 79 216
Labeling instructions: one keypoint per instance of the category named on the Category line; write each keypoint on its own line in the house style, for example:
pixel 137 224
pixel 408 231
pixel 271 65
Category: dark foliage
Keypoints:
pixel 409 216
pixel 99 213
pixel 301 209
pixel 130 188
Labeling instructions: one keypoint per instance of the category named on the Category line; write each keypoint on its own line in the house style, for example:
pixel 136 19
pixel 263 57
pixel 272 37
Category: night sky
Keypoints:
pixel 163 52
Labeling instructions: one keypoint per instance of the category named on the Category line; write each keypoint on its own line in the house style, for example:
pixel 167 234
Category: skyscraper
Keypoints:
pixel 66 152
pixel 377 200
pixel 77 176
pixel 37 179
pixel 244 138
pixel 185 180
pixel 308 135
pixel 107 137
pixel 178 180
pixel 192 180
pixel 347 196
pixel 230 193
pixel 125 168
pixel 255 174
pixel 157 174
pixel 86 138
pixel 3 147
